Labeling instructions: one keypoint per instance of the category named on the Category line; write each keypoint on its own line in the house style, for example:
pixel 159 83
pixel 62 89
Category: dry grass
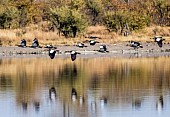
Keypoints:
pixel 13 37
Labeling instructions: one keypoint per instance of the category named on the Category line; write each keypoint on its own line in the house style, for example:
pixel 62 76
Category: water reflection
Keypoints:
pixel 74 94
pixel 100 87
pixel 160 104
pixel 52 94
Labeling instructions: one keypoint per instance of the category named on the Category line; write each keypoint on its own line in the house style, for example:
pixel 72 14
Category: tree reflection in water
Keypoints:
pixel 118 84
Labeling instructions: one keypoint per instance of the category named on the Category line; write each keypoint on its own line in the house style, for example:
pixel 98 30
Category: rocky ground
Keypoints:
pixel 121 49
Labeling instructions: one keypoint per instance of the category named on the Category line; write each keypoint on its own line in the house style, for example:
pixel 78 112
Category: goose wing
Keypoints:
pixel 159 43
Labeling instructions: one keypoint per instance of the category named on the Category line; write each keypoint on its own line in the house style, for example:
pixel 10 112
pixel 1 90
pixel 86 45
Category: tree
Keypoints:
pixel 95 10
pixel 162 12
pixel 68 21
pixel 8 17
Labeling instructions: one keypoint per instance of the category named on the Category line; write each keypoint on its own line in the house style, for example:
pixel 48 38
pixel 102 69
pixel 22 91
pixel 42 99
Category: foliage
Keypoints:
pixel 8 18
pixel 118 21
pixel 68 21
pixel 162 12
pixel 95 8
pixel 71 16
pixel 77 4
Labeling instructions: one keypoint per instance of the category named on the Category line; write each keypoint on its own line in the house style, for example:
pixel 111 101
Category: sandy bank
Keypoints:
pixel 120 49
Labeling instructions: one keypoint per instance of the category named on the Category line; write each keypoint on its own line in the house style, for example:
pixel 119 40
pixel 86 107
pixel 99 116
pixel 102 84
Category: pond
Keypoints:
pixel 102 87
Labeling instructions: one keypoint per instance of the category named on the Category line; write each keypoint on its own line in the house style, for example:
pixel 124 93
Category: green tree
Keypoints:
pixel 95 11
pixel 162 12
pixel 68 21
pixel 8 17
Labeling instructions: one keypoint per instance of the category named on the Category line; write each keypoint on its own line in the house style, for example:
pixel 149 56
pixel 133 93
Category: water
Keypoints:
pixel 105 87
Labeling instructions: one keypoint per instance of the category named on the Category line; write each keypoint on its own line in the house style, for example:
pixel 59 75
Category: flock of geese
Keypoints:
pixel 102 48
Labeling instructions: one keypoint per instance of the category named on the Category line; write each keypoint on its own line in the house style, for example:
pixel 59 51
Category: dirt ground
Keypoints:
pixel 119 49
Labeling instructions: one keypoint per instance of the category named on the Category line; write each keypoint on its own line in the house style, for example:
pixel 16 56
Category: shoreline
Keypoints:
pixel 150 49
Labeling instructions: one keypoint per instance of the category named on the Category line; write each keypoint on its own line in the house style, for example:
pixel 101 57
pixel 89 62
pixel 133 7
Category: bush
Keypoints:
pixel 8 18
pixel 95 10
pixel 118 21
pixel 68 21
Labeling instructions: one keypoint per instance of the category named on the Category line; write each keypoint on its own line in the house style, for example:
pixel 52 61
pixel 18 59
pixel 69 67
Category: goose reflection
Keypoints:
pixel 136 103
pixel 81 100
pixel 24 106
pixel 93 106
pixel 74 94
pixel 37 106
pixel 103 101
pixel 160 104
pixel 52 94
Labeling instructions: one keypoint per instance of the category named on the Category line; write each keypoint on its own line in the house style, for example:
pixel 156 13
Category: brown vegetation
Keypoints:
pixel 12 37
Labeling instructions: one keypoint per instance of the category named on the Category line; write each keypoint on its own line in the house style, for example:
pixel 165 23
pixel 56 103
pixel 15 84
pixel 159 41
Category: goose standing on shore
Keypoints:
pixel 158 40
pixel 35 43
pixel 80 45
pixel 135 44
pixel 103 48
pixel 23 43
pixel 93 42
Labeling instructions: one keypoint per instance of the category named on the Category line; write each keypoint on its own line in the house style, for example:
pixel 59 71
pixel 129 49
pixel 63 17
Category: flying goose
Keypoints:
pixel 73 55
pixel 52 52
pixel 158 40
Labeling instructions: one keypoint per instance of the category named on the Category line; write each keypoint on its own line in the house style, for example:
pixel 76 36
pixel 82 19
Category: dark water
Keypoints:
pixel 105 87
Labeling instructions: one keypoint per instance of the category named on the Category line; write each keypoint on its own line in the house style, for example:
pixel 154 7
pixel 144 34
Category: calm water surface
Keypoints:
pixel 105 87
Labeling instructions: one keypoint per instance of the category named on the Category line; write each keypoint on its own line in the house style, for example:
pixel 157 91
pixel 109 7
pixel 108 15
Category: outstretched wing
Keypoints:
pixel 159 43
pixel 73 57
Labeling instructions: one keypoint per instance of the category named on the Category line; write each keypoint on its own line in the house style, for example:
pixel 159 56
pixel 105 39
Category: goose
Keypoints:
pixel 80 45
pixel 35 43
pixel 23 43
pixel 74 94
pixel 158 40
pixel 103 48
pixel 92 37
pixel 49 46
pixel 52 53
pixel 135 44
pixel 73 55
pixel 93 42
pixel 52 93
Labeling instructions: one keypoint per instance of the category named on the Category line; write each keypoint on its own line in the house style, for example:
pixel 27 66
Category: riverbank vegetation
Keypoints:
pixel 73 18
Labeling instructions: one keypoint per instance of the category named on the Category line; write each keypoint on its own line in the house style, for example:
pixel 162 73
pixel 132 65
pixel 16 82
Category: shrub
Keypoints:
pixel 68 21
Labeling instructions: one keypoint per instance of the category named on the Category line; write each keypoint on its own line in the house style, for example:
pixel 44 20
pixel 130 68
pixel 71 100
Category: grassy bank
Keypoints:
pixel 13 37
